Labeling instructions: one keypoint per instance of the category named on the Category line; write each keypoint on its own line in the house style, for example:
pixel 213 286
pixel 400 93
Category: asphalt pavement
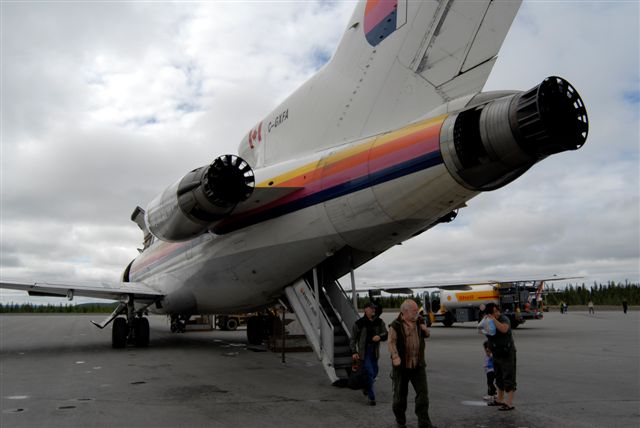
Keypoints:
pixel 574 370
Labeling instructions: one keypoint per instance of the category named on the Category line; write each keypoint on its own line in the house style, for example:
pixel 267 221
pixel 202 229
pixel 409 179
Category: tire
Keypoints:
pixel 255 330
pixel 141 332
pixel 231 323
pixel 448 320
pixel 119 333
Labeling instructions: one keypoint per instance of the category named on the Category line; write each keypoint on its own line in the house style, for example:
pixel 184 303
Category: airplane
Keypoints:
pixel 387 140
pixel 520 300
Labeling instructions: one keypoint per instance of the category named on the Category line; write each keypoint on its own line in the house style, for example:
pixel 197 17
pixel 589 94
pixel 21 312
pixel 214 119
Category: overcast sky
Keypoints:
pixel 104 104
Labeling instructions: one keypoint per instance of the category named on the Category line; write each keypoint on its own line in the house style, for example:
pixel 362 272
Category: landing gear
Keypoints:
pixel 141 332
pixel 119 333
pixel 132 329
pixel 136 332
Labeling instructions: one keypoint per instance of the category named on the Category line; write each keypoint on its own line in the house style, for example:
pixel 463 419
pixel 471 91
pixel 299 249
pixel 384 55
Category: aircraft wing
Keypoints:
pixel 103 290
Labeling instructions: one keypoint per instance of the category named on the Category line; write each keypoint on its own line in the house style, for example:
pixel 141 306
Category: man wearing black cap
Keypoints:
pixel 368 332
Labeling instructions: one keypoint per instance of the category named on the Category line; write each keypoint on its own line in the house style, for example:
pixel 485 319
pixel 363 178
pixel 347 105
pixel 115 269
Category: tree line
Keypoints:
pixel 601 294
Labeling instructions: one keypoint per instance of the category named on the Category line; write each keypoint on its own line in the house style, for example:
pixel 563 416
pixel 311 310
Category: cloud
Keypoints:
pixel 110 102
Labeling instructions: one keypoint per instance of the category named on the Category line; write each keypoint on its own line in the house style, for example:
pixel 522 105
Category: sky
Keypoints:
pixel 104 104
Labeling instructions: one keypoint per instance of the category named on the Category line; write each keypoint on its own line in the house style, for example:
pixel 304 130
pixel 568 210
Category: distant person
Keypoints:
pixel 625 306
pixel 378 307
pixel 368 332
pixel 590 306
pixel 489 372
pixel 562 307
pixel 503 349
pixel 407 348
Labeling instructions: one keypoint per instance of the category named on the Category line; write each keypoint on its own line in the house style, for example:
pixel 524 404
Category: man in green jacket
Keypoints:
pixel 368 332
pixel 406 346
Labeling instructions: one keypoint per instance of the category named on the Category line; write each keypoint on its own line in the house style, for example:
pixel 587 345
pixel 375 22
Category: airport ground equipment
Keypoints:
pixel 327 318
pixel 519 301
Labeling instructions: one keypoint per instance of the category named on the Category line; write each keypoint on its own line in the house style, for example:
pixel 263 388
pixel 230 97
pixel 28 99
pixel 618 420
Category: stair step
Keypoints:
pixel 341 350
pixel 342 361
pixel 340 341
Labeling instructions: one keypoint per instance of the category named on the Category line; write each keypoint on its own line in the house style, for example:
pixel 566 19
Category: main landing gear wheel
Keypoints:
pixel 141 332
pixel 119 333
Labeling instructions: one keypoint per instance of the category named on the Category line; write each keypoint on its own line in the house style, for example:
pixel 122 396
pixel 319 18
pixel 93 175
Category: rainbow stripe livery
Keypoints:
pixel 382 18
pixel 364 164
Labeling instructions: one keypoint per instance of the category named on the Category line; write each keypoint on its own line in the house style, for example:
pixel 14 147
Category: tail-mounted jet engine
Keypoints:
pixel 492 143
pixel 200 199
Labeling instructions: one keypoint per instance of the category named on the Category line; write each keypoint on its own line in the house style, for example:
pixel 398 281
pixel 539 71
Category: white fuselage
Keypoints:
pixel 367 195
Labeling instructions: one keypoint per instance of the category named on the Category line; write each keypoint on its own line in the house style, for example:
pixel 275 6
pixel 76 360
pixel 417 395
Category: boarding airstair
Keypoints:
pixel 327 318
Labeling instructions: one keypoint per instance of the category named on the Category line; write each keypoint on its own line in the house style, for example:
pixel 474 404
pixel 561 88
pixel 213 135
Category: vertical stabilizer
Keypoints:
pixel 397 61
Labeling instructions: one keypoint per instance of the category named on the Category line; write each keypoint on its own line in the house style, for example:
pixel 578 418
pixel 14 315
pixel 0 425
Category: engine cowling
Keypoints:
pixel 200 199
pixel 492 143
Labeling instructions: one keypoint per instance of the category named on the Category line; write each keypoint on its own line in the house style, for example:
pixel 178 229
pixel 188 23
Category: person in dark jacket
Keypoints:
pixel 406 346
pixel 368 332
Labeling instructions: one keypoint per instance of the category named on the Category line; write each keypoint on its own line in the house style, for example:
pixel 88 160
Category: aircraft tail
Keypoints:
pixel 397 61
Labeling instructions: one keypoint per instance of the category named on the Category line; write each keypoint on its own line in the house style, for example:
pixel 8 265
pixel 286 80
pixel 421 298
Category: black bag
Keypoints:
pixel 357 377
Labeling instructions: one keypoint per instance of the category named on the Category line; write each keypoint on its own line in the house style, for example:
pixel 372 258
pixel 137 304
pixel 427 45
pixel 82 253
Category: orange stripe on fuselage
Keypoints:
pixel 342 160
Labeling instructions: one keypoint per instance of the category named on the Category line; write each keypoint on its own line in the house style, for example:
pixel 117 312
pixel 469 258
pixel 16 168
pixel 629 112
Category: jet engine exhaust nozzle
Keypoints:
pixel 550 118
pixel 201 198
pixel 228 181
pixel 490 144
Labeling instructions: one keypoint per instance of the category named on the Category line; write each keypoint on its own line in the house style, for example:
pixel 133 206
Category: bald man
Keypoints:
pixel 406 346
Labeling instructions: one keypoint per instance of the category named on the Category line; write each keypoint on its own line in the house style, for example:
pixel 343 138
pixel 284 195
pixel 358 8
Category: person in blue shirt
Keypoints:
pixel 488 369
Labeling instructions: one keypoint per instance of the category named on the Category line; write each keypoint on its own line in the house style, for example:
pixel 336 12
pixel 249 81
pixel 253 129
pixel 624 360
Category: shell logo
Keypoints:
pixel 449 298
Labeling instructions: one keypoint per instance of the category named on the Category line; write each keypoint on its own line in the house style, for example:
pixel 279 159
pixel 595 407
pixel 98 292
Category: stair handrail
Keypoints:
pixel 345 306
pixel 346 329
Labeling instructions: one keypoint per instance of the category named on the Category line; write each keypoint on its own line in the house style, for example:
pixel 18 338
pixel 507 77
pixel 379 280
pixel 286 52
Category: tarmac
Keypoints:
pixel 574 370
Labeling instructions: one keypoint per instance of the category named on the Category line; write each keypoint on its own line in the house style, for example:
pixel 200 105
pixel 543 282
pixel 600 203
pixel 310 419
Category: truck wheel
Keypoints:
pixel 448 320
pixel 231 324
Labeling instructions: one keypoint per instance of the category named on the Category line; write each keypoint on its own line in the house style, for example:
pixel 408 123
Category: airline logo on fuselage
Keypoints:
pixel 255 135
pixel 382 18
